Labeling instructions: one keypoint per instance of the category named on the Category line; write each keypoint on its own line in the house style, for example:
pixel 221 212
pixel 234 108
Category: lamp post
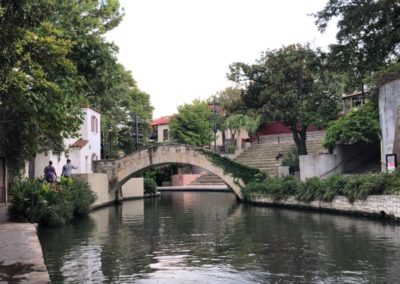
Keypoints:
pixel 110 141
pixel 135 119
pixel 215 124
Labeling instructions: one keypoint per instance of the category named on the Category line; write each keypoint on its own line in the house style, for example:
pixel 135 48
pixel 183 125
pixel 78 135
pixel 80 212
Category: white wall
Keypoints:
pixel 160 130
pixel 389 102
pixel 80 157
pixel 133 188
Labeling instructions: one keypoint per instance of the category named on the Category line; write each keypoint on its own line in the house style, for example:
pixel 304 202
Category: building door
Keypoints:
pixel 2 180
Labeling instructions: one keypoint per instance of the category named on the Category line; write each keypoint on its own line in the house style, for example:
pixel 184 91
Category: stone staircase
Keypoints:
pixel 265 155
pixel 207 179
pixel 371 166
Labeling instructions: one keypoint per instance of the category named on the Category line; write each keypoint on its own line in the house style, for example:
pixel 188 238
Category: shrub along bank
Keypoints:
pixel 353 187
pixel 46 204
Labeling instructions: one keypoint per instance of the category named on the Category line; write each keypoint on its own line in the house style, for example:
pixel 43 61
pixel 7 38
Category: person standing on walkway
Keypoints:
pixel 67 169
pixel 50 174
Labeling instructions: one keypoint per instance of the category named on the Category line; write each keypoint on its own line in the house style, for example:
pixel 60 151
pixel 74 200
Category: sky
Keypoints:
pixel 180 50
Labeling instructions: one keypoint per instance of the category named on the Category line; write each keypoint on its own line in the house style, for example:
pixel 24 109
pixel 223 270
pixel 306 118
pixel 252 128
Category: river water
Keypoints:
pixel 207 237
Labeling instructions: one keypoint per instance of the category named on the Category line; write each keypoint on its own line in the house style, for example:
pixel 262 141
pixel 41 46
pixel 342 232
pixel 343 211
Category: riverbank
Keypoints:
pixel 21 257
pixel 375 205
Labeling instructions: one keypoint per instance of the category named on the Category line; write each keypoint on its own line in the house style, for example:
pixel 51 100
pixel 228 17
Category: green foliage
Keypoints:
pixel 82 196
pixel 150 185
pixel 54 60
pixel 192 124
pixel 39 103
pixel 368 35
pixel 238 171
pixel 278 188
pixel 236 122
pixel 353 187
pixel 46 204
pixel 386 74
pixel 159 173
pixel 360 125
pixel 292 85
pixel 230 100
pixel 291 158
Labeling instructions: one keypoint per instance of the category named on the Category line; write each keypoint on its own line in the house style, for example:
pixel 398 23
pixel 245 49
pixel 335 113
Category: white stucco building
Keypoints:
pixel 81 150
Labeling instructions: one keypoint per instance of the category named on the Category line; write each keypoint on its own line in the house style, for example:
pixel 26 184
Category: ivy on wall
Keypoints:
pixel 238 171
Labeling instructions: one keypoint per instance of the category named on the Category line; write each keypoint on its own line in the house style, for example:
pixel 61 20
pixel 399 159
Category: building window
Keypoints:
pixel 94 124
pixel 357 101
pixel 165 134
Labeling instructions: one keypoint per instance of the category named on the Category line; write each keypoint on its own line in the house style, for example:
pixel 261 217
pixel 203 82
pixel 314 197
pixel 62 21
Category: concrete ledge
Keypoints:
pixel 374 205
pixel 145 196
pixel 21 257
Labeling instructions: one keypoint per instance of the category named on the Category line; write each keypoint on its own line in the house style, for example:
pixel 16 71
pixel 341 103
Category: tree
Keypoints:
pixel 192 124
pixel 292 85
pixel 368 35
pixel 230 100
pixel 39 85
pixel 54 60
pixel 107 86
pixel 236 122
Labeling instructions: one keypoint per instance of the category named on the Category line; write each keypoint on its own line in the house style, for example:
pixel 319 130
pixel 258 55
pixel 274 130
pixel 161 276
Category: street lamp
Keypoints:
pixel 110 140
pixel 135 118
pixel 215 124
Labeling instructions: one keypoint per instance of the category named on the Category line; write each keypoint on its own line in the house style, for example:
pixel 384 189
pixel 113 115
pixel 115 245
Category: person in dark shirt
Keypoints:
pixel 50 174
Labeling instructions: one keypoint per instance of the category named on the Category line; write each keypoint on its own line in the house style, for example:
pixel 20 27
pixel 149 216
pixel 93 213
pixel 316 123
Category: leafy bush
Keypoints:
pixel 278 188
pixel 43 203
pixel 150 186
pixel 333 186
pixel 310 190
pixel 360 125
pixel 291 158
pixel 353 187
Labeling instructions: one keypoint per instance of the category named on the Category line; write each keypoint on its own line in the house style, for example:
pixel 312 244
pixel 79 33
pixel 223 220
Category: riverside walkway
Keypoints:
pixel 21 257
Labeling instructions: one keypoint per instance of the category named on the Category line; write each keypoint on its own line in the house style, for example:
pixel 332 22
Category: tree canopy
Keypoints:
pixel 292 85
pixel 368 35
pixel 192 124
pixel 55 60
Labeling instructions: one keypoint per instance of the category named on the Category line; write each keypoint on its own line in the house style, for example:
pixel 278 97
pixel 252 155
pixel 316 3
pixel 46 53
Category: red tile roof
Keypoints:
pixel 160 121
pixel 80 143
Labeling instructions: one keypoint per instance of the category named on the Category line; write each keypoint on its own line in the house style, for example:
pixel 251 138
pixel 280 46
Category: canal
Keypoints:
pixel 207 237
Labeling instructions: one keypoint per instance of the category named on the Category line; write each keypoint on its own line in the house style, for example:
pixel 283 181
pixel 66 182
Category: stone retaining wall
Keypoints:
pixel 379 205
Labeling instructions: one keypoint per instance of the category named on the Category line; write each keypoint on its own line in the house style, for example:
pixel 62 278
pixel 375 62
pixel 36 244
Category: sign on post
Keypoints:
pixel 391 162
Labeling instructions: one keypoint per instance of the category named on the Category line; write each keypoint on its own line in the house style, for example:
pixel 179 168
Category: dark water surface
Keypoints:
pixel 207 237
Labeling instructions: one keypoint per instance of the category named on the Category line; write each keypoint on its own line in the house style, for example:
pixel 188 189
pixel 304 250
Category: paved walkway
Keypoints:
pixel 21 258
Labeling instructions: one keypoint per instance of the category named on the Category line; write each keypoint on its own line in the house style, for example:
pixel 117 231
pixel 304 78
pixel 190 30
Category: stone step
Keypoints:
pixel 263 155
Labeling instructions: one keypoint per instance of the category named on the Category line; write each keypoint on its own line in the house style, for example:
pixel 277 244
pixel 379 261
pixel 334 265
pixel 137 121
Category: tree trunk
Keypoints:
pixel 300 138
pixel 223 140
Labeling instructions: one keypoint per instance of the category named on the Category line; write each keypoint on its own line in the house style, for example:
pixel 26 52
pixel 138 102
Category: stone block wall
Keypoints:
pixel 379 205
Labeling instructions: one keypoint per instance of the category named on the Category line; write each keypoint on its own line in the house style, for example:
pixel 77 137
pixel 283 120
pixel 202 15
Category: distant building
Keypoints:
pixel 353 101
pixel 161 131
pixel 81 150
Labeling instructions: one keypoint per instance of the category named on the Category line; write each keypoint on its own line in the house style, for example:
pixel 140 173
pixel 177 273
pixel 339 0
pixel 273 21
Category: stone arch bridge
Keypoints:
pixel 121 170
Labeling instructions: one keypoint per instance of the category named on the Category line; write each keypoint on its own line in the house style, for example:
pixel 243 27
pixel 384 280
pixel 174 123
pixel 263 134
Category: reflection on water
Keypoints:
pixel 208 237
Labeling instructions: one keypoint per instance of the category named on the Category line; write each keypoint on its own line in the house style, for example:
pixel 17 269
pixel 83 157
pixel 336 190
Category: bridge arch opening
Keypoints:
pixel 181 175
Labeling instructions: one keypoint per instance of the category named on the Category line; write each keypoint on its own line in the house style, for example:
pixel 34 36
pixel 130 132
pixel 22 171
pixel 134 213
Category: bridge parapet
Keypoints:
pixel 121 170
